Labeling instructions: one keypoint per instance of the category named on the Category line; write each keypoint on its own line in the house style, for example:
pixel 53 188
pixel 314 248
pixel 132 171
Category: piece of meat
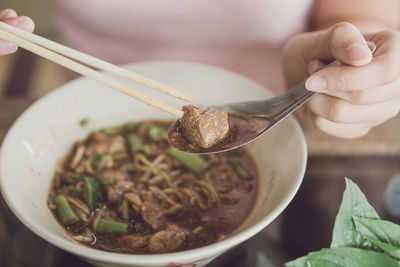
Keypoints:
pixel 203 126
pixel 168 240
pixel 102 144
pixel 117 144
pixel 134 241
pixel 152 213
pixel 117 190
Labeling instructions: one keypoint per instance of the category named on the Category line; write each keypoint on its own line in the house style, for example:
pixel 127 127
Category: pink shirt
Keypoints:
pixel 243 36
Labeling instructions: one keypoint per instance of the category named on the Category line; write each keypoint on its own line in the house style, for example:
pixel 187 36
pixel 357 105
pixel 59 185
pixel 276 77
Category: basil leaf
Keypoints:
pixel 381 230
pixel 353 203
pixel 349 257
pixel 389 249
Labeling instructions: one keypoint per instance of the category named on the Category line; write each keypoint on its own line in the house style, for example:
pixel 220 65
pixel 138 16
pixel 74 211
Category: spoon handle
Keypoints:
pixel 277 107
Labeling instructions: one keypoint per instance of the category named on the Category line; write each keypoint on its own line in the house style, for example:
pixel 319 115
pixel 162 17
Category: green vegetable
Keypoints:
pixel 354 203
pixel 241 171
pixel 389 249
pixel 95 160
pixel 156 131
pixel 84 122
pixel 87 233
pixel 197 230
pixel 344 256
pixel 131 125
pixel 359 236
pixel 193 162
pixel 109 181
pixel 147 150
pixel 111 227
pixel 112 130
pixel 135 143
pixel 93 193
pixel 78 177
pixel 381 230
pixel 64 211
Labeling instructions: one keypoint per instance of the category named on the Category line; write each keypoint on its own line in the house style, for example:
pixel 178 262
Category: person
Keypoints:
pixel 354 96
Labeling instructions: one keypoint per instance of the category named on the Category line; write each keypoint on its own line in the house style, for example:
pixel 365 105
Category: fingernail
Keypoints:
pixel 316 83
pixel 8 14
pixel 357 52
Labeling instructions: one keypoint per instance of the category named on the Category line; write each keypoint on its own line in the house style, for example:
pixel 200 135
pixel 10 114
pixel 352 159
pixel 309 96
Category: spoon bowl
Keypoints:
pixel 247 120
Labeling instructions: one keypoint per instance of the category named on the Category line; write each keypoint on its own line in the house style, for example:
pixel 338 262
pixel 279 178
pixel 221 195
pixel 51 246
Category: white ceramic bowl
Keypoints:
pixel 47 129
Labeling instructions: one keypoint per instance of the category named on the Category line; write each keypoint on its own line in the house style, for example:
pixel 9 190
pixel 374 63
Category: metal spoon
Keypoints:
pixel 260 116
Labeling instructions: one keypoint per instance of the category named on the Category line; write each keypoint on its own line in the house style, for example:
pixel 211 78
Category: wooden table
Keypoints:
pixel 381 141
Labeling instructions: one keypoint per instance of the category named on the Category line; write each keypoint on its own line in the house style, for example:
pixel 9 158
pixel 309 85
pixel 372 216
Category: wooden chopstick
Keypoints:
pixel 95 62
pixel 86 71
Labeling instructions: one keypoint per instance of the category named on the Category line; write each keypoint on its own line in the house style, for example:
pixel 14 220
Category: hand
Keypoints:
pixel 10 16
pixel 356 96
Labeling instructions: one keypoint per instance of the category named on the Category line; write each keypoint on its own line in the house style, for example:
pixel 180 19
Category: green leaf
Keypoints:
pixel 389 249
pixel 84 122
pixel 157 132
pixel 353 203
pixel 135 143
pixel 193 162
pixel 93 193
pixel 345 256
pixel 381 230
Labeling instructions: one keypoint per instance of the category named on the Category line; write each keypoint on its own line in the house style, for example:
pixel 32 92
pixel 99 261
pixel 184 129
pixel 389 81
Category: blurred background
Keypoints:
pixel 35 76
pixel 306 225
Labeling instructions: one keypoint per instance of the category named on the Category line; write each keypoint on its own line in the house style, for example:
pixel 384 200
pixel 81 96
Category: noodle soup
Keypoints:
pixel 126 190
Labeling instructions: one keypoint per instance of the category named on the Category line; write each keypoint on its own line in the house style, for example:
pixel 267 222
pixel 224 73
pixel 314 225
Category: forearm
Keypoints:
pixel 367 15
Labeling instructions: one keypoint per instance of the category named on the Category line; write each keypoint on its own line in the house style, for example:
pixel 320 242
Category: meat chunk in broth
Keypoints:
pixel 203 126
pixel 167 240
pixel 134 241
pixel 152 213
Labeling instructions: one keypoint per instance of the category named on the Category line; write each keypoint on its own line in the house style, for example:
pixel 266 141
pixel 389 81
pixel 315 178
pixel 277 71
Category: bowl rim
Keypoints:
pixel 76 248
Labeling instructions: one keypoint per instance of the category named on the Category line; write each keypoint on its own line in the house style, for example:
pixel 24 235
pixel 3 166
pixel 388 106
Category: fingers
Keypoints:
pixel 9 16
pixel 340 111
pixel 342 42
pixel 384 69
pixel 341 130
pixel 347 45
pixel 381 71
pixel 22 22
pixel 375 95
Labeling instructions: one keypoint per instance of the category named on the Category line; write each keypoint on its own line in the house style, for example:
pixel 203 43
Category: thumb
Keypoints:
pixel 342 42
pixel 347 45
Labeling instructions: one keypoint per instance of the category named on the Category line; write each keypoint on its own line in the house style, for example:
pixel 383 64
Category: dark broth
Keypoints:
pixel 125 190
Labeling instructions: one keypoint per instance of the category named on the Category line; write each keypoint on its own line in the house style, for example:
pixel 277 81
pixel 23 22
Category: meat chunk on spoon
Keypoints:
pixel 203 126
